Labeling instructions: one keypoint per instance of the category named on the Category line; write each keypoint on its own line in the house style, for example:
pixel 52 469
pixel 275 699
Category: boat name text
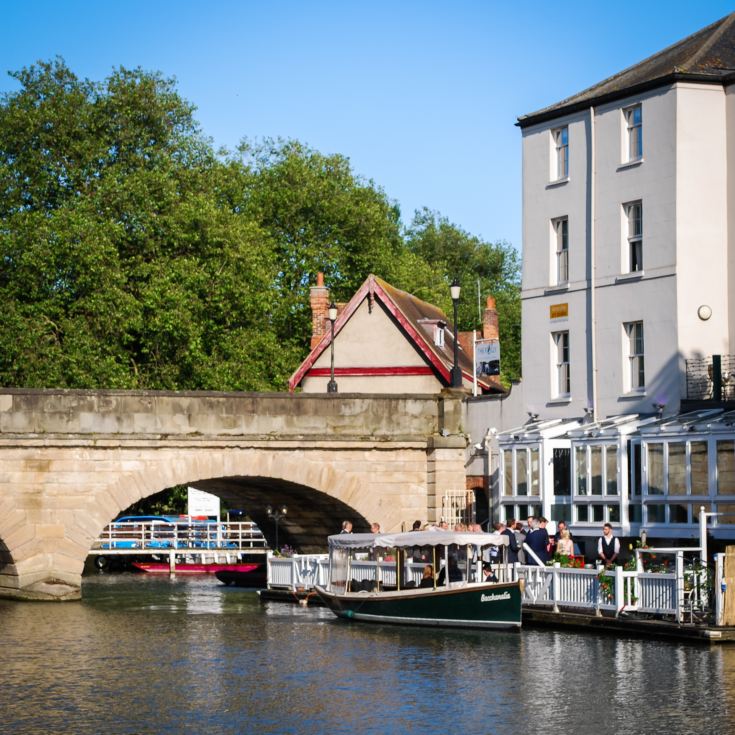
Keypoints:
pixel 493 597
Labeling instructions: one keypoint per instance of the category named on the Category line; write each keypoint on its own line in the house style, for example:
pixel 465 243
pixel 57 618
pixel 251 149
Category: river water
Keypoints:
pixel 145 655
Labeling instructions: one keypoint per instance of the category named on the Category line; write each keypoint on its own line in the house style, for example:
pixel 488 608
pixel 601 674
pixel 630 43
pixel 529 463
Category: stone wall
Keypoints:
pixel 71 461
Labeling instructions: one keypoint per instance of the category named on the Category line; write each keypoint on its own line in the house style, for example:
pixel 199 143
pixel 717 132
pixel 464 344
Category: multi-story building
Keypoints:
pixel 628 270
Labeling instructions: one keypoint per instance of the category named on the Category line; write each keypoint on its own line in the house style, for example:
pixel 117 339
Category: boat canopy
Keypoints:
pixel 415 538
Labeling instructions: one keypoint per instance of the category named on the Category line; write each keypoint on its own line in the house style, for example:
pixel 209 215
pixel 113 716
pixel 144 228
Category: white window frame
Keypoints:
pixel 560 139
pixel 560 229
pixel 561 361
pixel 439 334
pixel 635 346
pixel 633 117
pixel 633 214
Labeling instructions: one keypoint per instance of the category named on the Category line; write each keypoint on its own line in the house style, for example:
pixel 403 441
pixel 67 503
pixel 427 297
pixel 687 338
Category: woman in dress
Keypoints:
pixel 565 545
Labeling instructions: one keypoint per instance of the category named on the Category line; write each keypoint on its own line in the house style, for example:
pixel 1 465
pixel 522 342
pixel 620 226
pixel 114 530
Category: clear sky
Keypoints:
pixel 422 96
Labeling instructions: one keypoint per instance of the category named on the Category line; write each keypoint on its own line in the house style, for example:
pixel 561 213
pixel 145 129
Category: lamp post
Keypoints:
pixel 456 371
pixel 332 384
pixel 276 514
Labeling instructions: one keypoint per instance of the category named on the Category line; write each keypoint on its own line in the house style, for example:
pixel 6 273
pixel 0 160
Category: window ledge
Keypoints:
pixel 630 164
pixel 560 401
pixel 632 276
pixel 560 288
pixel 634 395
pixel 558 182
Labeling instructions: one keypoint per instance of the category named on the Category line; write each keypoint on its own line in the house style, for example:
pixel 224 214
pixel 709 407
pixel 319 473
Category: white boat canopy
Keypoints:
pixel 415 538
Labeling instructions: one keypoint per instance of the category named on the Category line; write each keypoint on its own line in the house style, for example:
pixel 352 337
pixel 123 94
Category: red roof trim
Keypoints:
pixel 371 288
pixel 357 371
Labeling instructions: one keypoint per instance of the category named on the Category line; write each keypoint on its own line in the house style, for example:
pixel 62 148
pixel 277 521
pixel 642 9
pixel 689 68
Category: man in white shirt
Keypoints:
pixel 608 546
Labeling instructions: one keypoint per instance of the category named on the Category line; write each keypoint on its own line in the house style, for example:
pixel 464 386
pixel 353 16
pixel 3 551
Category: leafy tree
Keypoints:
pixel 487 268
pixel 132 255
pixel 124 262
pixel 321 217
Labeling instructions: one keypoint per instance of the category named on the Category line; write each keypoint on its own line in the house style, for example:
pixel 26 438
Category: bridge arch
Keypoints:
pixel 71 461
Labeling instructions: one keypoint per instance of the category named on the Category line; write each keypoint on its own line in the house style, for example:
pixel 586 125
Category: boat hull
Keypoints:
pixel 256 577
pixel 494 605
pixel 153 567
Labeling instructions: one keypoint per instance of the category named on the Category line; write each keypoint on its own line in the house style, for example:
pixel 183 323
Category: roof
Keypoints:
pixel 707 56
pixel 410 313
pixel 415 538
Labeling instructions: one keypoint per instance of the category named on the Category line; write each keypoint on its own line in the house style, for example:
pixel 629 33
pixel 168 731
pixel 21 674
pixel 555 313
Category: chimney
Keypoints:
pixel 319 300
pixel 490 320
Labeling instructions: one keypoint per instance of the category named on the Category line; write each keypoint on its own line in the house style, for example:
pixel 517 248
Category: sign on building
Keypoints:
pixel 487 357
pixel 202 504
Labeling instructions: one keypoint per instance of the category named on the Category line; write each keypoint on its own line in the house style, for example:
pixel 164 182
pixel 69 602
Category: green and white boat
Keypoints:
pixel 385 587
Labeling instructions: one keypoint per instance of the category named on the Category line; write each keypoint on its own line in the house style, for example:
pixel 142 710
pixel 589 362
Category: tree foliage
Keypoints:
pixel 132 255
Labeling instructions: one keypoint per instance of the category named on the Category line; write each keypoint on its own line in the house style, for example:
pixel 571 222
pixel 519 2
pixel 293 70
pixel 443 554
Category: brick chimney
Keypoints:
pixel 319 300
pixel 490 320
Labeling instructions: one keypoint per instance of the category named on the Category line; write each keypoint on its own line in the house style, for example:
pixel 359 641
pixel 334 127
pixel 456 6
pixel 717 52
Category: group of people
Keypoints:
pixel 533 534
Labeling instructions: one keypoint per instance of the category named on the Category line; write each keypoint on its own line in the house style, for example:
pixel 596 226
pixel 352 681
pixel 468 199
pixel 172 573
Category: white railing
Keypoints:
pixel 681 593
pixel 614 590
pixel 300 571
pixel 178 534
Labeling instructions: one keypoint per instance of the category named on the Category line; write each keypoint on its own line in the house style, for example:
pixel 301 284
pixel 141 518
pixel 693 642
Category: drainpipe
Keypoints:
pixel 593 304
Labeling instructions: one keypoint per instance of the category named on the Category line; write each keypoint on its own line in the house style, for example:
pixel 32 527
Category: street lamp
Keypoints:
pixel 332 384
pixel 276 514
pixel 456 371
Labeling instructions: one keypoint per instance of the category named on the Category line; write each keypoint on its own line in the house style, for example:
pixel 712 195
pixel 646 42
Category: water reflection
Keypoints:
pixel 146 655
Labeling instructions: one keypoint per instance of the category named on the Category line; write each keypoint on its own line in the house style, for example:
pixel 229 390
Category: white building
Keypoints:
pixel 628 266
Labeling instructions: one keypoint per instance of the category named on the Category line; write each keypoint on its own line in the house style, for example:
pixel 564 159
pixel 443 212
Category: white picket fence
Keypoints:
pixel 682 596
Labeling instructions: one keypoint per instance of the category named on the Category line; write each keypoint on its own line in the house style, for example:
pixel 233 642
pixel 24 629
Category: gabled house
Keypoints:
pixel 387 341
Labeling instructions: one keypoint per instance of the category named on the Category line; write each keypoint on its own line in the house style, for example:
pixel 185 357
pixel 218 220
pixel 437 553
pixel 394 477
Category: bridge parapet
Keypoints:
pixel 154 413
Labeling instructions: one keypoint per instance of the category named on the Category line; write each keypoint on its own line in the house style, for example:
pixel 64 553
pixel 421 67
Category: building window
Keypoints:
pixel 655 468
pixel 677 469
pixel 636 467
pixel 634 132
pixel 580 465
pixel 634 222
pixel 560 137
pixel 521 472
pixel 700 468
pixel 636 361
pixel 562 471
pixel 561 357
pixel 439 334
pixel 611 470
pixel 726 467
pixel 561 244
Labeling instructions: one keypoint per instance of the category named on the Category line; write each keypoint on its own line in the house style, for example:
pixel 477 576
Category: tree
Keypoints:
pixel 320 217
pixel 124 262
pixel 482 269
pixel 132 255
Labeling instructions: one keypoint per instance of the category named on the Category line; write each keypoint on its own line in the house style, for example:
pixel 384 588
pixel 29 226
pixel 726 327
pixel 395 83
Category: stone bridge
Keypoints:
pixel 72 461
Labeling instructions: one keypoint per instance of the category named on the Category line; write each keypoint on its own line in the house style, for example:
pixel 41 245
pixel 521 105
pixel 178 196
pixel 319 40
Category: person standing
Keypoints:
pixel 538 542
pixel 608 546
pixel 346 527
pixel 512 543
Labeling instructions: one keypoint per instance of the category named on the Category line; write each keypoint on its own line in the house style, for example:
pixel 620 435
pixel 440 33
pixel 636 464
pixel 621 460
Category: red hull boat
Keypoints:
pixel 160 567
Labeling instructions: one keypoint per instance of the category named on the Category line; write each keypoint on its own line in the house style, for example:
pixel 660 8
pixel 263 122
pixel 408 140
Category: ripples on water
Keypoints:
pixel 145 655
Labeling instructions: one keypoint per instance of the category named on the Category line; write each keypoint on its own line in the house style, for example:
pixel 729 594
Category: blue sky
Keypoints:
pixel 421 96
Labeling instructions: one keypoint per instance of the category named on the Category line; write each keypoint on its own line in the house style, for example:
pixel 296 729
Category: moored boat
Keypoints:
pixel 159 567
pixel 393 595
pixel 255 577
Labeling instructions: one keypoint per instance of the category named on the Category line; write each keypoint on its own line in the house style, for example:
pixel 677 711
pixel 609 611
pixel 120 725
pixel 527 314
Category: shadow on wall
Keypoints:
pixel 6 560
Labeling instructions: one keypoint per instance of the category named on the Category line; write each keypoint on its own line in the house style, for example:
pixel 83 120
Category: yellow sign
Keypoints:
pixel 558 311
